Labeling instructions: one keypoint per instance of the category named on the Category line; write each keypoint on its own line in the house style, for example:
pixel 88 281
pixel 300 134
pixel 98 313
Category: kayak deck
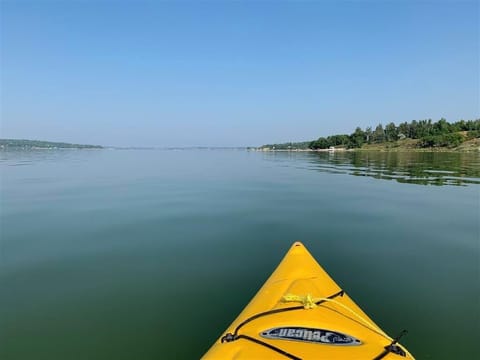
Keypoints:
pixel 301 313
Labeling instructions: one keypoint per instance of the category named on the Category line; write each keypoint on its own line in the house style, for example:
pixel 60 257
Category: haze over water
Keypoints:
pixel 150 254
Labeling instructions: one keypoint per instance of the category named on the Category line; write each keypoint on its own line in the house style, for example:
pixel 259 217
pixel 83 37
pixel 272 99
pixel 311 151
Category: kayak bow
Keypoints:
pixel 301 313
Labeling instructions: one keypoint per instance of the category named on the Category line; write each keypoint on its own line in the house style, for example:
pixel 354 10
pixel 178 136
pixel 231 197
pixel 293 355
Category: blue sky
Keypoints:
pixel 226 73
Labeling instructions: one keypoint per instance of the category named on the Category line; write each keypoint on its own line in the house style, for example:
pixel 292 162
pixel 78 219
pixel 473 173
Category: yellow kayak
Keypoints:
pixel 301 313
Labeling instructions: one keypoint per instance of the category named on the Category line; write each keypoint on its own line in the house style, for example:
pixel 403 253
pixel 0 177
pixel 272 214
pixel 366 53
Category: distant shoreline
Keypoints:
pixel 438 150
pixel 407 145
pixel 42 145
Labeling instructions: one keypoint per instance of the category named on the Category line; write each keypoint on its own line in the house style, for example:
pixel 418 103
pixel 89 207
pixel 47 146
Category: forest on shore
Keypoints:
pixel 39 144
pixel 428 134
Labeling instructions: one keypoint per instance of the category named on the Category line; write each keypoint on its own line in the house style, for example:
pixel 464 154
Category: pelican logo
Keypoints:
pixel 311 335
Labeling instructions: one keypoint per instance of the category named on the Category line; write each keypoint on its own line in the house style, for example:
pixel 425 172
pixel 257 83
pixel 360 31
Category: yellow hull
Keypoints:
pixel 301 313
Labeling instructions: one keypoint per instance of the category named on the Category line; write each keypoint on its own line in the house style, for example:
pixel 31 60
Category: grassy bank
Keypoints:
pixel 423 135
pixel 472 145
pixel 405 145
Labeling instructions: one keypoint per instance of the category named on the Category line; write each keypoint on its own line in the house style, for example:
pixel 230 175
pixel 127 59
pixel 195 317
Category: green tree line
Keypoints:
pixel 28 144
pixel 431 134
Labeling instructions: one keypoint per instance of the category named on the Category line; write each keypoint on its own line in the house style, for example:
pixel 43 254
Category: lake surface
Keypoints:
pixel 150 254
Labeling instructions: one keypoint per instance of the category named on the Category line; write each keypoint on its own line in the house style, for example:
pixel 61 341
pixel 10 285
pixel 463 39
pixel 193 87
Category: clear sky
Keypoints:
pixel 224 73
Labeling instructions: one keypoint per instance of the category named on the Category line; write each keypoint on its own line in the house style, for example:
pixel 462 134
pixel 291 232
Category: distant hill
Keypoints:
pixel 37 144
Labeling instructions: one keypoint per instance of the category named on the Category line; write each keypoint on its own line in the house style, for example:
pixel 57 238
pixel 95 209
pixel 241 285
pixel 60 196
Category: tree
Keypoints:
pixel 441 127
pixel 320 143
pixel 412 129
pixel 442 140
pixel 368 135
pixel 379 134
pixel 403 129
pixel 336 140
pixel 391 132
pixel 357 139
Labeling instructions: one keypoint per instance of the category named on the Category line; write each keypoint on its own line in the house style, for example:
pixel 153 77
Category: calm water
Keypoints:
pixel 150 254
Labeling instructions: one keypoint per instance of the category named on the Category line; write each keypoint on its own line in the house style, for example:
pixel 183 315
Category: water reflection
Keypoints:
pixel 423 168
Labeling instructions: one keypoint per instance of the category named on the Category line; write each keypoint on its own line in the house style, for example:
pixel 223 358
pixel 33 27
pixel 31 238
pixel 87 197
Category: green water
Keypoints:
pixel 150 254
